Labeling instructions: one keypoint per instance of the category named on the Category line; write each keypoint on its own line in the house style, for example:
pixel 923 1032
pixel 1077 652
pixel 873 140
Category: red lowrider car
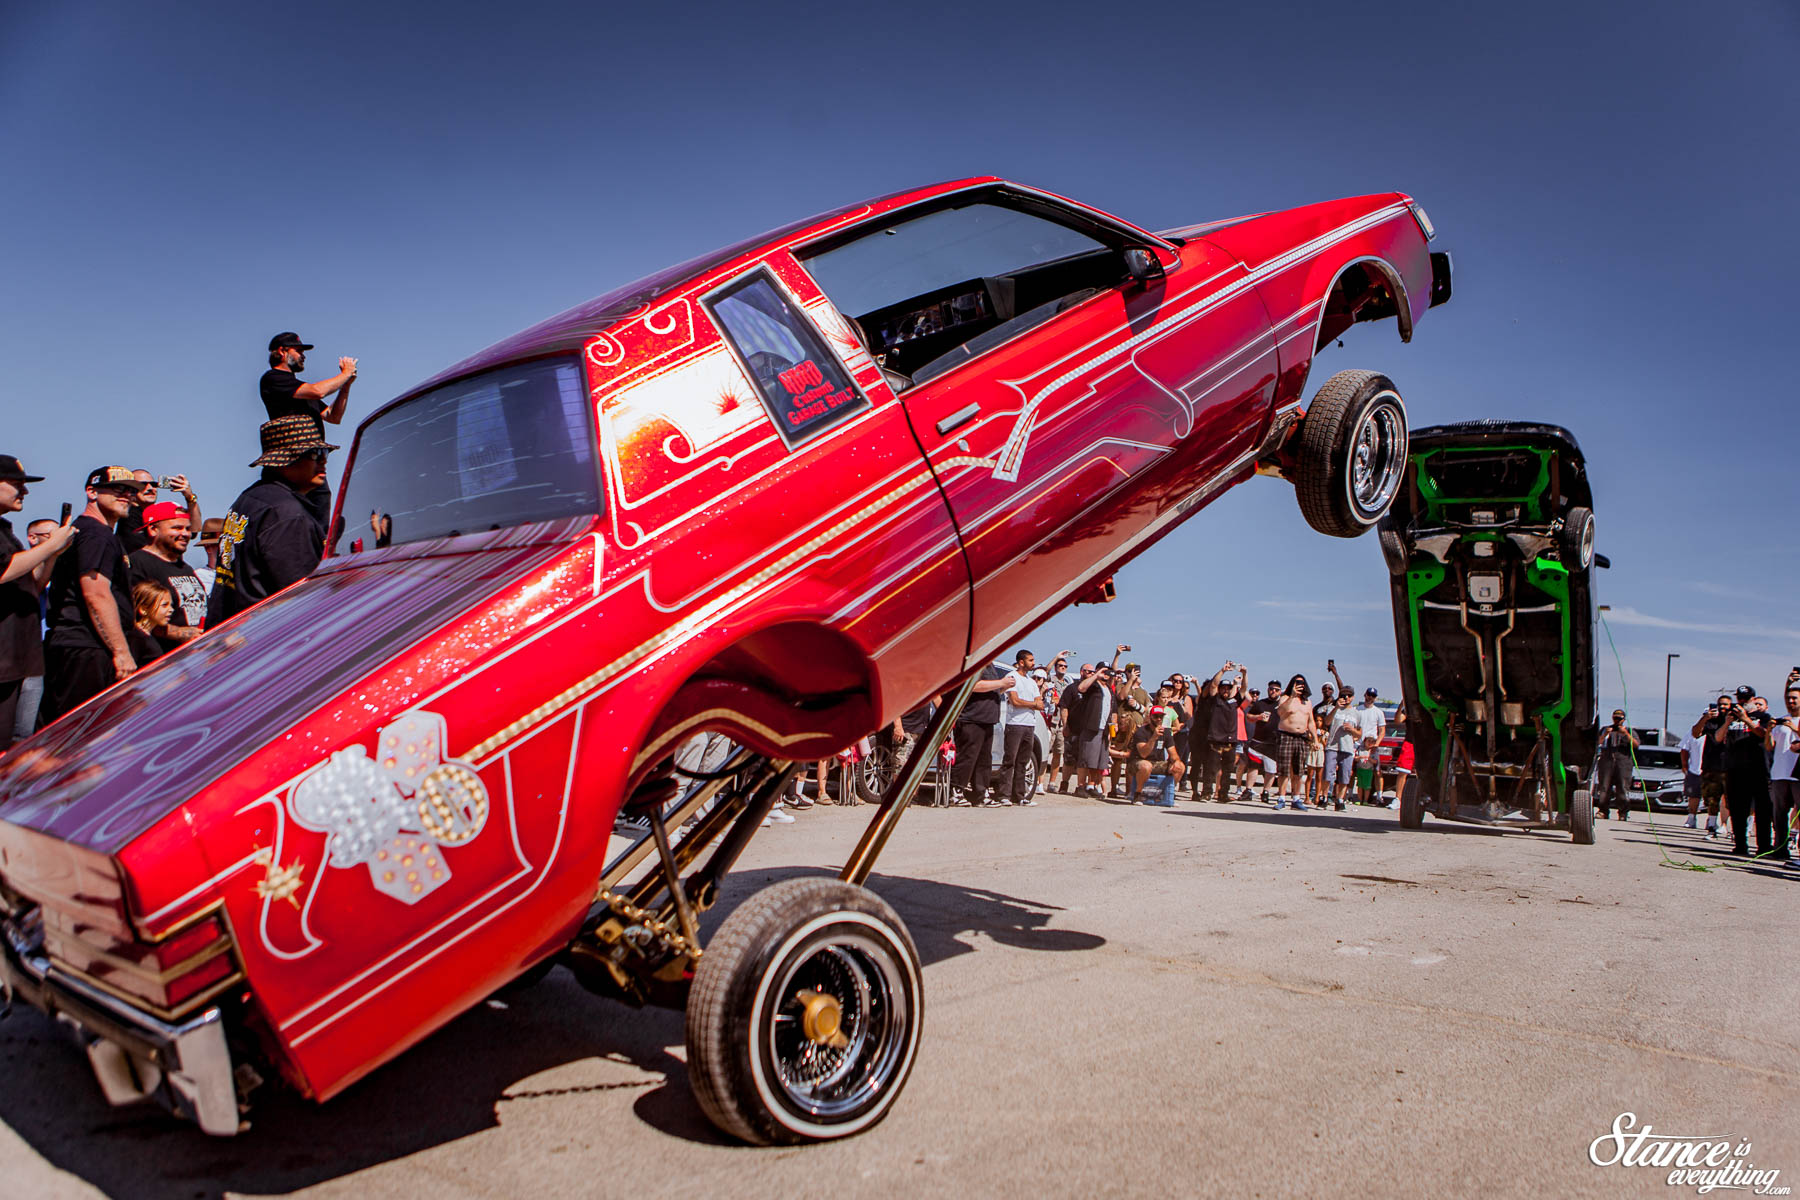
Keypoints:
pixel 786 490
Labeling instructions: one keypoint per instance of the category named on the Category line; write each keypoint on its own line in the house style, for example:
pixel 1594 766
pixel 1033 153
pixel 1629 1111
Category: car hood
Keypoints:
pixel 108 771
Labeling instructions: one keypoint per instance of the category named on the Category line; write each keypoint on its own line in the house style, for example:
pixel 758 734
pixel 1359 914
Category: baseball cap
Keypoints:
pixel 1746 692
pixel 162 510
pixel 12 469
pixel 112 477
pixel 1370 693
pixel 289 340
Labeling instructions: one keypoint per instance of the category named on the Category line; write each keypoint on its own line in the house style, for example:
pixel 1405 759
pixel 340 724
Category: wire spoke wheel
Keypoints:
pixel 830 1067
pixel 804 1017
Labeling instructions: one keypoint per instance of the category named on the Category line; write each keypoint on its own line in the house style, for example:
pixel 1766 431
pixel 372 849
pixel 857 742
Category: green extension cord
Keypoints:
pixel 1625 703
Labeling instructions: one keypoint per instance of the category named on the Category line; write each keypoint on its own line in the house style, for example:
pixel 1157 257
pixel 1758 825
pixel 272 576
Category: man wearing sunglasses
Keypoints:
pixel 89 602
pixel 271 537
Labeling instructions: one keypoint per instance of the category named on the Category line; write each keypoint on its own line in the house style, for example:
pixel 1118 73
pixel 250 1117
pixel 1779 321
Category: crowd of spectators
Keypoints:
pixel 96 594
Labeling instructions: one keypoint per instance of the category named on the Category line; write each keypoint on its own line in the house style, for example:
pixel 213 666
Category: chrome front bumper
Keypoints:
pixel 186 1068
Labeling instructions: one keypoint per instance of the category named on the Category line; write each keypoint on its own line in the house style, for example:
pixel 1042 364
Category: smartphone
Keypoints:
pixel 67 509
pixel 165 482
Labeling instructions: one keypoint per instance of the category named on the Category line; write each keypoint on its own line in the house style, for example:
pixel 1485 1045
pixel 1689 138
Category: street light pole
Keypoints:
pixel 1668 666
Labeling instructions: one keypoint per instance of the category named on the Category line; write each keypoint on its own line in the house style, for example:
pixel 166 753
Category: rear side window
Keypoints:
pixel 802 384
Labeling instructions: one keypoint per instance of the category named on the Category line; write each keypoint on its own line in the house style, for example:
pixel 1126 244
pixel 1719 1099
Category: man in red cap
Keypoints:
pixel 90 602
pixel 160 561
pixel 271 539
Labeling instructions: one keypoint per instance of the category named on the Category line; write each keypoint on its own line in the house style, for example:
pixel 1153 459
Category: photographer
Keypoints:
pixel 1612 770
pixel 1712 761
pixel 1089 703
pixel 1784 769
pixel 1747 733
pixel 1214 742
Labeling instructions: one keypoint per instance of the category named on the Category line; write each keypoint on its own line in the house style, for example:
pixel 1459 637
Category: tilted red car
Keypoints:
pixel 787 490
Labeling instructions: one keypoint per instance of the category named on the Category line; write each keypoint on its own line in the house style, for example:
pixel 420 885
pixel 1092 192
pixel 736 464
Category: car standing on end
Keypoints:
pixel 784 491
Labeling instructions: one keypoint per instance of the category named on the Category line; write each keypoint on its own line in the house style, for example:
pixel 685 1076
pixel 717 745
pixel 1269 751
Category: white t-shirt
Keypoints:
pixel 1787 749
pixel 1370 721
pixel 1695 747
pixel 1028 689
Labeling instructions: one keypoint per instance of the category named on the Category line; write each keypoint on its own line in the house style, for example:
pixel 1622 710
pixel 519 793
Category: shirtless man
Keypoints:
pixel 1294 728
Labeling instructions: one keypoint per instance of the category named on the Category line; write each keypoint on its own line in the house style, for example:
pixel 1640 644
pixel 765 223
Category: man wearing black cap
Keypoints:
pixel 283 395
pixel 271 538
pixel 1747 732
pixel 90 602
pixel 23 573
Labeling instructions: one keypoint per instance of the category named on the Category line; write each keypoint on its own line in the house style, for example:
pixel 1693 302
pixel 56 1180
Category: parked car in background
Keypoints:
pixel 1657 778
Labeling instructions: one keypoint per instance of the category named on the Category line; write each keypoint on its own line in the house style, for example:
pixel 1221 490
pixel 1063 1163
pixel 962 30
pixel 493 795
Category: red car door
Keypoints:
pixel 1085 406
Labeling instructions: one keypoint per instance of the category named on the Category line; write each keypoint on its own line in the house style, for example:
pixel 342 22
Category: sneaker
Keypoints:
pixel 781 816
pixel 1337 804
pixel 1278 803
pixel 959 799
pixel 1712 829
pixel 1028 802
pixel 990 802
pixel 799 802
pixel 1299 804
pixel 1041 790
pixel 1689 823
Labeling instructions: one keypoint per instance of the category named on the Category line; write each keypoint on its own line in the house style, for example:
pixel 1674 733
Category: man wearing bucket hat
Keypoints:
pixel 270 538
pixel 90 602
pixel 23 573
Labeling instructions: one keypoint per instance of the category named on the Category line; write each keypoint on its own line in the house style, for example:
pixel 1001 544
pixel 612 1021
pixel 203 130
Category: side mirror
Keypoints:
pixel 1142 265
pixel 1603 562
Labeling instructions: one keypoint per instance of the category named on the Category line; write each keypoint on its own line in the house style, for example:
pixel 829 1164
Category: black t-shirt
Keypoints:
pixel 1712 754
pixel 21 644
pixel 1745 753
pixel 179 578
pixel 1263 732
pixel 270 540
pixel 983 708
pixel 144 648
pixel 278 388
pixel 1152 741
pixel 94 549
pixel 1219 718
pixel 130 532
pixel 916 722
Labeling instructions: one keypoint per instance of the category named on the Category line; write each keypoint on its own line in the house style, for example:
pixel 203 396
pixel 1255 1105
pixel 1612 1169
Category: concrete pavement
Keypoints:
pixel 1120 1001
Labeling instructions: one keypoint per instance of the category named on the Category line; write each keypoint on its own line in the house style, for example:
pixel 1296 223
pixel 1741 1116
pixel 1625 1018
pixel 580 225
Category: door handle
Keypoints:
pixel 960 417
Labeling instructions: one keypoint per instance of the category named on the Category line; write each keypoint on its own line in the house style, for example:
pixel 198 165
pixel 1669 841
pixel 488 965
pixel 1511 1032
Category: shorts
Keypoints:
pixel 1291 752
pixel 1365 778
pixel 1056 744
pixel 1690 786
pixel 1090 751
pixel 1338 766
pixel 1315 758
pixel 1712 787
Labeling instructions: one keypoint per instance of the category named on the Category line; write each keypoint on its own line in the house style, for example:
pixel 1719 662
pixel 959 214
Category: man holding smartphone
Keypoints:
pixel 1747 734
pixel 1784 770
pixel 131 532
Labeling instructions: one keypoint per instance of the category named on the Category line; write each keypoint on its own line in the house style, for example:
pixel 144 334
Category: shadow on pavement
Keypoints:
pixel 462 1080
pixel 1356 823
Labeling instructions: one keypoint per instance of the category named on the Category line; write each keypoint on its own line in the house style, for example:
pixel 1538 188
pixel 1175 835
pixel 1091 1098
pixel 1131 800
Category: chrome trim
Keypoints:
pixel 194 1056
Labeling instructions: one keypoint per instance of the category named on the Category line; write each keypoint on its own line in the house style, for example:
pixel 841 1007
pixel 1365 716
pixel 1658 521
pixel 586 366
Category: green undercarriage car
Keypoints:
pixel 1490 549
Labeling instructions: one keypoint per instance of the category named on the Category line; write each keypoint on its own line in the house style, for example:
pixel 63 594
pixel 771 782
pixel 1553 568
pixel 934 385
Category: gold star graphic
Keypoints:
pixel 281 883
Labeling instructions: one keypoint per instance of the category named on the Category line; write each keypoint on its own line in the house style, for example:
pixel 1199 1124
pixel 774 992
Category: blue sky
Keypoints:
pixel 407 185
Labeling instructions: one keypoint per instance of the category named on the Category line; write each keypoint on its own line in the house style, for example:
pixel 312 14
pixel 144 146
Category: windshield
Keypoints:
pixel 507 447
